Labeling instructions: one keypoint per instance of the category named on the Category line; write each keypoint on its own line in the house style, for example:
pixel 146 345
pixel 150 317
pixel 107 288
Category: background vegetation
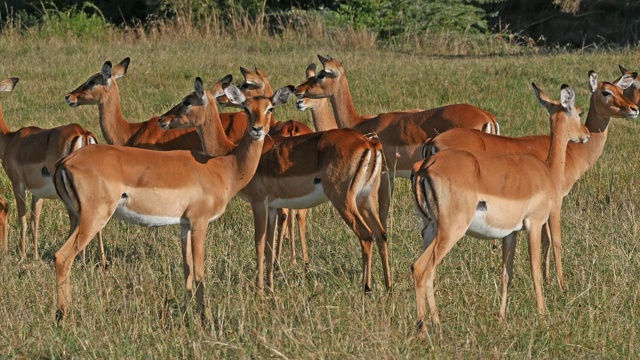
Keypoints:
pixel 132 309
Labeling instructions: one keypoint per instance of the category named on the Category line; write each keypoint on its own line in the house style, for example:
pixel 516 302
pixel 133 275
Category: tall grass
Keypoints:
pixel 133 309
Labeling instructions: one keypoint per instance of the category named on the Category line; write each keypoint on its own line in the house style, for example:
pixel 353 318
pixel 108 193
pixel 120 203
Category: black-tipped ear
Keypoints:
pixel 622 69
pixel 310 72
pixel 323 59
pixel 234 95
pixel 593 81
pixel 567 97
pixel 244 71
pixel 106 70
pixel 199 88
pixel 282 95
pixel 226 80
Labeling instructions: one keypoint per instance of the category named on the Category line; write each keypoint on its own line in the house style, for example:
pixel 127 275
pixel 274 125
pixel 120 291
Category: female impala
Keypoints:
pixel 341 166
pixel 633 91
pixel 487 196
pixel 29 157
pixel 607 101
pixel 157 188
pixel 401 133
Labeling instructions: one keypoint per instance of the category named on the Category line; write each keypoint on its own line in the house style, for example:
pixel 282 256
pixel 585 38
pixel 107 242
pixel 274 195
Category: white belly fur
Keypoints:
pixel 480 229
pixel 314 198
pixel 46 192
pixel 126 214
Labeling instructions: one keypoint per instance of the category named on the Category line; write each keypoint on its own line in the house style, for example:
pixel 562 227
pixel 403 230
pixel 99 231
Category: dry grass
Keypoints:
pixel 132 309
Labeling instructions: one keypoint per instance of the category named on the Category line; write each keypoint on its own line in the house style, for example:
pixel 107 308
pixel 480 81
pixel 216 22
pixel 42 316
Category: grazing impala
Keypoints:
pixel 29 157
pixel 341 166
pixel 401 133
pixel 490 195
pixel 155 188
pixel 607 101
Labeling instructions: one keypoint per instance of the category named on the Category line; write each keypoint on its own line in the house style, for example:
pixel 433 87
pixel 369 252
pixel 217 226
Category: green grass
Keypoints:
pixel 132 309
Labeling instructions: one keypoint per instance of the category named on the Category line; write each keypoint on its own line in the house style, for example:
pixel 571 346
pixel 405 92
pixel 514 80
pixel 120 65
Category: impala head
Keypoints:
pixel 304 103
pixel 324 83
pixel 259 109
pixel 255 84
pixel 608 99
pixel 564 114
pixel 192 110
pixel 633 91
pixel 8 84
pixel 97 87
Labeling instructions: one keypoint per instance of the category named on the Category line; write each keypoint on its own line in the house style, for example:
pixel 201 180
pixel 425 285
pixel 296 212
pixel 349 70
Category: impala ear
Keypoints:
pixel 260 72
pixel 567 97
pixel 120 70
pixel 8 84
pixel 543 99
pixel 226 80
pixel 626 80
pixel 623 70
pixel 323 59
pixel 282 95
pixel 106 70
pixel 234 95
pixel 244 72
pixel 593 81
pixel 197 86
pixel 311 71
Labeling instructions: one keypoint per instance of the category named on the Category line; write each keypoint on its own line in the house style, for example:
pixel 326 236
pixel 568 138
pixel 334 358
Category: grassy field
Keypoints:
pixel 132 309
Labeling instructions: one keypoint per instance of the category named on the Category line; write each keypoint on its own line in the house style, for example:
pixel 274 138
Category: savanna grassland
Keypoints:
pixel 132 309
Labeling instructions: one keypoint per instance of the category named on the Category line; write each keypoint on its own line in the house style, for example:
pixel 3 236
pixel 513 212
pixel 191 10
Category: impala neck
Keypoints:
pixel 343 108
pixel 5 133
pixel 633 93
pixel 115 128
pixel 244 161
pixel 322 117
pixel 558 154
pixel 598 125
pixel 214 140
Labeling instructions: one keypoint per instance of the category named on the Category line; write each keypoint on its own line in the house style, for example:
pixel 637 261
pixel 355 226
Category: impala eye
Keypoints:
pixel 320 76
pixel 91 82
pixel 606 93
pixel 186 102
pixel 244 85
pixel 270 110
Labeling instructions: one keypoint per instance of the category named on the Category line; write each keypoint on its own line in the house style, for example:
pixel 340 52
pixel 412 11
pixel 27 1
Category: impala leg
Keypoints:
pixel 536 263
pixel 259 210
pixel 301 215
pixel 366 246
pixel 556 240
pixel 21 207
pixel 385 192
pixel 103 257
pixel 369 210
pixel 283 215
pixel 419 272
pixel 198 236
pixel 36 209
pixel 78 240
pixel 4 225
pixel 291 230
pixel 269 250
pixel 546 251
pixel 187 259
pixel 508 252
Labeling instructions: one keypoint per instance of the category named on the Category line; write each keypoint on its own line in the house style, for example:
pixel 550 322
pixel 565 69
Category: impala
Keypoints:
pixel 607 101
pixel 490 195
pixel 29 157
pixel 341 166
pixel 401 133
pixel 156 188
pixel 321 113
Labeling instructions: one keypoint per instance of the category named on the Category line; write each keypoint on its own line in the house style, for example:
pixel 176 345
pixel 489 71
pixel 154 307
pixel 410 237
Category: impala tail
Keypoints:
pixel 65 188
pixel 426 205
pixel 492 127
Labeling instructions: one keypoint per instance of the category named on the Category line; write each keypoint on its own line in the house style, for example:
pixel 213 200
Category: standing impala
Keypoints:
pixel 156 188
pixel 607 101
pixel 490 195
pixel 29 157
pixel 341 166
pixel 401 133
